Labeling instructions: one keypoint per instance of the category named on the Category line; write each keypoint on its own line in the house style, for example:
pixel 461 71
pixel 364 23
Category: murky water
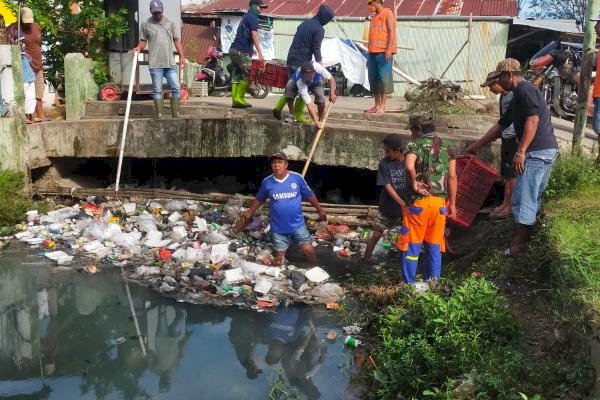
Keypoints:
pixel 66 335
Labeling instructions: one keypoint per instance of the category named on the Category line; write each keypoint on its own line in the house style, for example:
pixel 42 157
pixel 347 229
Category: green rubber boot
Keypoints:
pixel 299 111
pixel 279 107
pixel 158 108
pixel 234 90
pixel 243 86
pixel 175 105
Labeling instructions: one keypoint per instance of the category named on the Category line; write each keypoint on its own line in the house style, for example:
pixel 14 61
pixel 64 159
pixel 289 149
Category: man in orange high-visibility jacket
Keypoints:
pixel 596 92
pixel 382 47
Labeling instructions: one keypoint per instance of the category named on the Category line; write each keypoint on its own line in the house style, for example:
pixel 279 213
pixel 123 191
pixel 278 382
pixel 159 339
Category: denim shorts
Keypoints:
pixel 531 184
pixel 380 74
pixel 596 119
pixel 281 242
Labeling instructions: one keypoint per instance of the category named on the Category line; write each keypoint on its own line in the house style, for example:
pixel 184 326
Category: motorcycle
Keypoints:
pixel 555 71
pixel 212 71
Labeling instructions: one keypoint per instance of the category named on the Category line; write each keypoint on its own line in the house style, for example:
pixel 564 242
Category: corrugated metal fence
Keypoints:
pixel 435 44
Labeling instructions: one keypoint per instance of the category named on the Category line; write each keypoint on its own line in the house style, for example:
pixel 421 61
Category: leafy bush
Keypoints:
pixel 433 345
pixel 572 173
pixel 13 204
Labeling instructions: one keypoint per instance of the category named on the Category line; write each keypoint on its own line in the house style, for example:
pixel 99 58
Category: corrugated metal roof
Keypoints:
pixel 196 39
pixel 354 8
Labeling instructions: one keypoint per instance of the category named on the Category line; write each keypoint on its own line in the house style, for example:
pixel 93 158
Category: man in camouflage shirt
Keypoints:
pixel 431 168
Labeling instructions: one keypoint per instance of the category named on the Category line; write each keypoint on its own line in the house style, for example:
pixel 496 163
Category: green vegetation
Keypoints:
pixel 520 330
pixel 13 203
pixel 67 32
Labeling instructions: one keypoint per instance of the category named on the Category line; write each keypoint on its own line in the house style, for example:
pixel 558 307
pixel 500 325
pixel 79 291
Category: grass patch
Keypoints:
pixel 13 203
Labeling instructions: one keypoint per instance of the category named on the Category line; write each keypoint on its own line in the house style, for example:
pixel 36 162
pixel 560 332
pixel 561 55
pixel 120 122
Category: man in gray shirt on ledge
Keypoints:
pixel 160 35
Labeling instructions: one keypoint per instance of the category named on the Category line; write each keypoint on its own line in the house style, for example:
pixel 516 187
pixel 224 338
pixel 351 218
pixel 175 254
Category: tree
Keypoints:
pixel 75 27
pixel 559 9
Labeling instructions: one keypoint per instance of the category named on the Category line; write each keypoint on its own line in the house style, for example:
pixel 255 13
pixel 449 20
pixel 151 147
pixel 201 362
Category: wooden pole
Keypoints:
pixel 587 64
pixel 469 38
pixel 316 140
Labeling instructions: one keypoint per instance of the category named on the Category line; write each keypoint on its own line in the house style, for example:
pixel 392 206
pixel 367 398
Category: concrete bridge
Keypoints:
pixel 210 129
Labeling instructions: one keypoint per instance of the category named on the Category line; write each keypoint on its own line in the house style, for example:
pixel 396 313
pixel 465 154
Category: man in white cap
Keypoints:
pixel 32 41
pixel 160 34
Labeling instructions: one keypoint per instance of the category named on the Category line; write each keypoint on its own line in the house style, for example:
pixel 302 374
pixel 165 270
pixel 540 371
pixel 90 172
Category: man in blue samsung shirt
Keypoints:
pixel 286 189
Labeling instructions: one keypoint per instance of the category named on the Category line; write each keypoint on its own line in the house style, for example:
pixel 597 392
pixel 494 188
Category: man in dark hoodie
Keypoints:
pixel 306 44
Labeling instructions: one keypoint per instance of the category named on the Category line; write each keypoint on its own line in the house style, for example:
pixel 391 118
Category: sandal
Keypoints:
pixel 36 120
pixel 370 110
pixel 501 214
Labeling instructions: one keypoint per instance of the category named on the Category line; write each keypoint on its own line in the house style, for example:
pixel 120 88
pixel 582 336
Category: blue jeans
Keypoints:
pixel 596 120
pixel 531 184
pixel 281 241
pixel 172 75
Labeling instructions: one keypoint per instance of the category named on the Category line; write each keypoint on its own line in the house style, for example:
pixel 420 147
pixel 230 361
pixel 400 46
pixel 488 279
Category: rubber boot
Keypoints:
pixel 243 86
pixel 175 105
pixel 279 107
pixel 299 111
pixel 158 108
pixel 234 90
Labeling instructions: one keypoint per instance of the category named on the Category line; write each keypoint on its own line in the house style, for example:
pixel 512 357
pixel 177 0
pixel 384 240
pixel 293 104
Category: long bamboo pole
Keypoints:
pixel 316 139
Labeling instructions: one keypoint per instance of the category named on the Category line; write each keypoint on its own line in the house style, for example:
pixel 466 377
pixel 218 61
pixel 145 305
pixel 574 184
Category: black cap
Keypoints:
pixel 258 3
pixel 308 71
pixel 393 141
pixel 278 156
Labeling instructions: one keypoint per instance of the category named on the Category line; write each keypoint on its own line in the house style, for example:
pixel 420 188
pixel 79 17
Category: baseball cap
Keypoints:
pixel 156 6
pixel 258 3
pixel 278 156
pixel 26 15
pixel 491 78
pixel 508 65
pixel 393 141
pixel 419 119
pixel 308 72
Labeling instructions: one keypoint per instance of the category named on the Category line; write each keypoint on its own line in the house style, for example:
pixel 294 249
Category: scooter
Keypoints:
pixel 212 71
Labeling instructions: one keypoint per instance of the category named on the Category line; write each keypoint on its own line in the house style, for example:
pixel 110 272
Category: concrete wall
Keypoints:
pixel 344 143
pixel 79 84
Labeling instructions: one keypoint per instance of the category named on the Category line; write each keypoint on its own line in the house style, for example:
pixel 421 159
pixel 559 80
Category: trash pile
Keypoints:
pixel 435 95
pixel 186 250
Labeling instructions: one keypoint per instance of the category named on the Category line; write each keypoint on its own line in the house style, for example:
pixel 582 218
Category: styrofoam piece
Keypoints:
pixel 94 247
pixel 234 275
pixel 263 285
pixel 174 217
pixel 316 275
pixel 24 235
pixel 144 270
pixel 129 208
pixel 201 224
pixel 180 232
pixel 60 257
pixel 219 252
pixel 273 271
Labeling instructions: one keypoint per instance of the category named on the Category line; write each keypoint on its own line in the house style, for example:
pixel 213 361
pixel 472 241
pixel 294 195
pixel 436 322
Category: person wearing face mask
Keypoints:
pixel 382 47
pixel 246 39
pixel 160 35
pixel 309 79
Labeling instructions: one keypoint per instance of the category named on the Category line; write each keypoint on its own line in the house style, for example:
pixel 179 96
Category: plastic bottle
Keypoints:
pixel 351 342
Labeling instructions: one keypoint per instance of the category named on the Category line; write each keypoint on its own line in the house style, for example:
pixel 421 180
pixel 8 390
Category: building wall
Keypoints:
pixel 435 44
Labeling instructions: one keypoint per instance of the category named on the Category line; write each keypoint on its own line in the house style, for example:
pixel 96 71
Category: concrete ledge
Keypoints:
pixel 342 144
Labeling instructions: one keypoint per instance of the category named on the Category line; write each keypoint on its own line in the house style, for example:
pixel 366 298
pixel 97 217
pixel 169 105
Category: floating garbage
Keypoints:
pixel 188 250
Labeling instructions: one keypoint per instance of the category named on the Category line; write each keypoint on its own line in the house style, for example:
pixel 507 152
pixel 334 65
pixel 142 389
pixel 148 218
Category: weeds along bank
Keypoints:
pixel 498 328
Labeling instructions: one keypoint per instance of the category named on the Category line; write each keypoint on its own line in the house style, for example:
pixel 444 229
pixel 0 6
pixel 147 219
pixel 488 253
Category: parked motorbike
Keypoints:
pixel 555 70
pixel 212 71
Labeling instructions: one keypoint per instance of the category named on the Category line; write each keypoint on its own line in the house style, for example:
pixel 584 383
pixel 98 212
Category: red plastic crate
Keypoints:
pixel 475 180
pixel 269 73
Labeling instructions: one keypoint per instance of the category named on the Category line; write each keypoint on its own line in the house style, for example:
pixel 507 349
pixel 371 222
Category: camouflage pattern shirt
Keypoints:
pixel 433 154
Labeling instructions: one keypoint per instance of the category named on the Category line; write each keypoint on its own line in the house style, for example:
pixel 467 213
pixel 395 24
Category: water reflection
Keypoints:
pixel 65 335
